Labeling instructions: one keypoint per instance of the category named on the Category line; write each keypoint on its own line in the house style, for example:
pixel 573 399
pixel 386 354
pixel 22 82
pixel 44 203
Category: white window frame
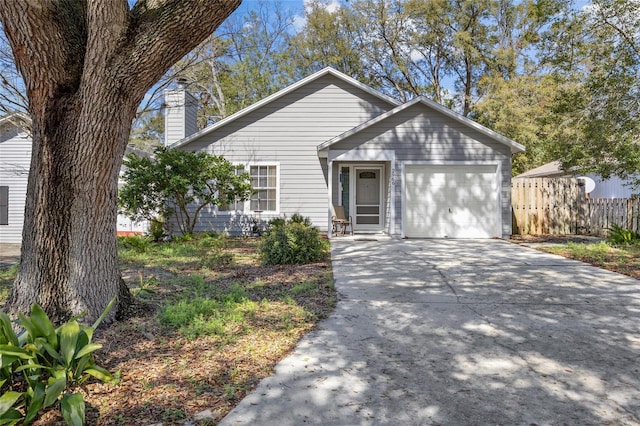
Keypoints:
pixel 247 204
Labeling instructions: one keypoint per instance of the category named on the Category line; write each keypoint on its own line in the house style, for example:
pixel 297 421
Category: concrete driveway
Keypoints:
pixel 461 332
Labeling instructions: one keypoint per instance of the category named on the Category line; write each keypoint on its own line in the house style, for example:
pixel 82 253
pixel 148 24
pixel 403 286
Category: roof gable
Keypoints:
pixel 282 93
pixel 515 147
pixel 17 119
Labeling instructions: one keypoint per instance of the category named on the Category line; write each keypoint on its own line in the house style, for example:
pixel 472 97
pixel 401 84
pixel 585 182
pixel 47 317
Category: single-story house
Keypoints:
pixel 15 161
pixel 409 170
pixel 596 186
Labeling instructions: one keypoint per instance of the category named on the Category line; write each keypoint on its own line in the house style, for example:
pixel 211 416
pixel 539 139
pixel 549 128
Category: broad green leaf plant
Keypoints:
pixel 41 366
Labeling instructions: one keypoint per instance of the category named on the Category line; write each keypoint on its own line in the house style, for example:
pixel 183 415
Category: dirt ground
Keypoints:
pixel 555 239
pixel 9 254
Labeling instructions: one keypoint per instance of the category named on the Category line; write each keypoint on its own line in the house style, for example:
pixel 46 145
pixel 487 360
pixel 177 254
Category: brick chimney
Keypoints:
pixel 179 114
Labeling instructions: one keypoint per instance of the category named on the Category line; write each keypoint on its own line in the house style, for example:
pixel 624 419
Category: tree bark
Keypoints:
pixel 86 67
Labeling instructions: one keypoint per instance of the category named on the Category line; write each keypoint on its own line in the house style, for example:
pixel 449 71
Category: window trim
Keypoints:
pixel 246 209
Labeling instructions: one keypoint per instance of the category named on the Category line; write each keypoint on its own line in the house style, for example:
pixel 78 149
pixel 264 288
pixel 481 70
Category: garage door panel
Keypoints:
pixel 450 201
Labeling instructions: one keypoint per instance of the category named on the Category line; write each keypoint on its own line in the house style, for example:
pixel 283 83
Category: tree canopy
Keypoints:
pixel 561 80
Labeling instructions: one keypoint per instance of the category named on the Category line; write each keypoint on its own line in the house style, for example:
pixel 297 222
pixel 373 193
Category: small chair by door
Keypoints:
pixel 340 222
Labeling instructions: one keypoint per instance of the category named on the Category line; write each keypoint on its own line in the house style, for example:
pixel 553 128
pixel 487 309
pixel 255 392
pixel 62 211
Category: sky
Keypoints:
pixel 297 7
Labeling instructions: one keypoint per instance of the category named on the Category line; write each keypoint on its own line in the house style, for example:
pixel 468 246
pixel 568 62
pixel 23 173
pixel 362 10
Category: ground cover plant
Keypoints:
pixel 210 322
pixel 621 258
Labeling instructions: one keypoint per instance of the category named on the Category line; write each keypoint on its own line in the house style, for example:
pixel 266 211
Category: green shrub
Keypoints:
pixel 212 240
pixel 39 367
pixel 156 229
pixel 184 238
pixel 293 243
pixel 298 218
pixel 275 223
pixel 621 236
pixel 137 243
pixel 281 221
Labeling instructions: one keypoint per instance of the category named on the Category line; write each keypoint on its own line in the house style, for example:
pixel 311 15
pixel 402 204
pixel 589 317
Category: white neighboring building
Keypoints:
pixel 15 161
pixel 15 158
pixel 614 187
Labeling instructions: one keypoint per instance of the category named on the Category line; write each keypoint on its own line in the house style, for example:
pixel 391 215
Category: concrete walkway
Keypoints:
pixel 461 332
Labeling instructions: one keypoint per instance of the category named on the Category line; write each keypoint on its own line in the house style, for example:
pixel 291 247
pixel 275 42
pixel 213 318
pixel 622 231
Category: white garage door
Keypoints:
pixel 459 201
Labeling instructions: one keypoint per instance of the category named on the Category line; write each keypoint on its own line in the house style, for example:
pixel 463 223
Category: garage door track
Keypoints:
pixel 461 332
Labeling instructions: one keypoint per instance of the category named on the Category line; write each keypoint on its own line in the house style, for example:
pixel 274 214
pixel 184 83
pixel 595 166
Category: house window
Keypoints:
pixel 4 205
pixel 236 205
pixel 264 179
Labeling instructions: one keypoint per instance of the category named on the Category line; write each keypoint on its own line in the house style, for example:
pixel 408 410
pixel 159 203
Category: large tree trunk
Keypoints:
pixel 87 66
pixel 69 260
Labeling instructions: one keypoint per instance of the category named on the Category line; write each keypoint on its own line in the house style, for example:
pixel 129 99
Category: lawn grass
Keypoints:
pixel 215 321
pixel 7 275
pixel 624 259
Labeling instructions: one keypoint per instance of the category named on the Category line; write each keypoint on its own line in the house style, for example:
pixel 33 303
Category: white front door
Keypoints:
pixel 367 203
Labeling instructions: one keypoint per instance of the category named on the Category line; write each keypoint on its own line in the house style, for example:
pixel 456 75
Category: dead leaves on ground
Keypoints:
pixel 166 378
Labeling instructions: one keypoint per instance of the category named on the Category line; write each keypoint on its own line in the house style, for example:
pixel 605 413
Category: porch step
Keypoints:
pixel 364 236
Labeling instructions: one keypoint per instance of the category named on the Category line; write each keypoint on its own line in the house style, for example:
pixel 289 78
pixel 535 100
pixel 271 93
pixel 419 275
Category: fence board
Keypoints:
pixel 547 206
pixel 605 212
pixel 559 206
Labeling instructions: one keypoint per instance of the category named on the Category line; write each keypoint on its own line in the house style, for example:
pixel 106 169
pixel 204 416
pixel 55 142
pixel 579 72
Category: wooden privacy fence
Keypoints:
pixel 548 206
pixel 559 206
pixel 604 212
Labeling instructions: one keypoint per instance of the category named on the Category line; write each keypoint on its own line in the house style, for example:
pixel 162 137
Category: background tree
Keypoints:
pixel 243 62
pixel 12 93
pixel 326 40
pixel 86 67
pixel 597 52
pixel 522 108
pixel 173 180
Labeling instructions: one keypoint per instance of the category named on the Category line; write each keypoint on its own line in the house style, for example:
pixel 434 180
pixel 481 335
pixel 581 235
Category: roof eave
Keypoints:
pixel 371 122
pixel 18 119
pixel 515 147
pixel 281 93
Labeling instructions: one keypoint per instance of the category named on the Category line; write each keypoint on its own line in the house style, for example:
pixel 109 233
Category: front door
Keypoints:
pixel 367 203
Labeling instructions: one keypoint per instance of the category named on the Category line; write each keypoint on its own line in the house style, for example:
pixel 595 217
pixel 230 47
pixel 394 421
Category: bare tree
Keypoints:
pixel 86 66
pixel 12 97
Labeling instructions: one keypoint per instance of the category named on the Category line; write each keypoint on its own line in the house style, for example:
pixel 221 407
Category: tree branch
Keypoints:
pixel 161 32
pixel 48 73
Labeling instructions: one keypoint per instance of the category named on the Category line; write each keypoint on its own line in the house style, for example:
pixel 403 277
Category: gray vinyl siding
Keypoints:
pixel 420 133
pixel 15 159
pixel 181 115
pixel 287 132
